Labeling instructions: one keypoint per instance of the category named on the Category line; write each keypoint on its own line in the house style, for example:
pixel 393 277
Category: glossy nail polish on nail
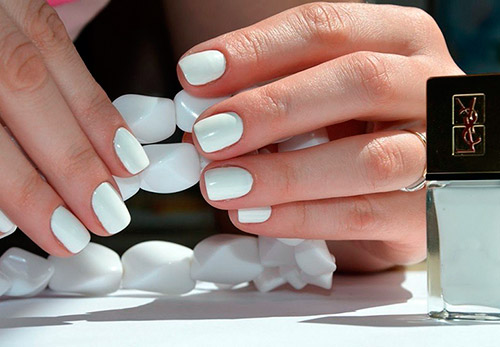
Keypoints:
pixel 218 131
pixel 203 67
pixel 6 226
pixel 227 183
pixel 130 151
pixel 110 209
pixel 69 230
pixel 254 215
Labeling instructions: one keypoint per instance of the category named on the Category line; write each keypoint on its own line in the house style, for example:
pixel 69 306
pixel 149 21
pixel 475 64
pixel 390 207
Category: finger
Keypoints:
pixel 99 119
pixel 303 37
pixel 397 218
pixel 362 164
pixel 362 86
pixel 34 206
pixel 38 116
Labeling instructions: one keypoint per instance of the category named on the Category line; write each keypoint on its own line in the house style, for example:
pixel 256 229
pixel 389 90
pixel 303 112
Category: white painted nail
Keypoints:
pixel 69 230
pixel 203 67
pixel 268 280
pixel 6 226
pixel 129 186
pixel 130 151
pixel 254 215
pixel 5 284
pixel 150 118
pixel 218 131
pixel 227 183
pixel 226 258
pixel 310 139
pixel 28 273
pixel 158 266
pixel 174 167
pixel 96 270
pixel 291 242
pixel 110 209
pixel 188 108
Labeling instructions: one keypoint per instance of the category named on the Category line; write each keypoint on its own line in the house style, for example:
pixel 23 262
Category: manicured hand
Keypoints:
pixel 57 182
pixel 358 69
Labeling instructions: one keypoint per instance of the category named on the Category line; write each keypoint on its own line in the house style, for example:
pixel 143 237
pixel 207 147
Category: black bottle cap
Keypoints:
pixel 463 127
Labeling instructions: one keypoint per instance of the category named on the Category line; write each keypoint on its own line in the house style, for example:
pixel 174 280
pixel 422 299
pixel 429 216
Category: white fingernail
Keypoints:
pixel 69 230
pixel 218 131
pixel 254 215
pixel 227 183
pixel 110 208
pixel 130 151
pixel 6 226
pixel 203 67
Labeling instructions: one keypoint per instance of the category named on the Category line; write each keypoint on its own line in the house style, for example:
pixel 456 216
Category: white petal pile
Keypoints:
pixel 129 186
pixel 158 266
pixel 188 108
pixel 5 284
pixel 310 139
pixel 275 253
pixel 313 257
pixel 96 270
pixel 226 258
pixel 151 119
pixel 27 272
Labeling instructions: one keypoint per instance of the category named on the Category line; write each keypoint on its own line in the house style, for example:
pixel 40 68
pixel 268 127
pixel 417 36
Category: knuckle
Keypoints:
pixel 325 21
pixel 45 27
pixel 27 189
pixel 423 24
pixel 97 106
pixel 382 163
pixel 274 102
pixel 79 159
pixel 361 216
pixel 249 43
pixel 289 179
pixel 374 77
pixel 22 66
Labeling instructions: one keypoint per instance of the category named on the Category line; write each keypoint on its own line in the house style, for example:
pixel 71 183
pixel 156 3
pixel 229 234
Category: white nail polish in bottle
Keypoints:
pixel 463 197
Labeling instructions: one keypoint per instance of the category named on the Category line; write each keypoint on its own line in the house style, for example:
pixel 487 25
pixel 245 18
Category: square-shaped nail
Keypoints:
pixel 227 183
pixel 218 131
pixel 203 67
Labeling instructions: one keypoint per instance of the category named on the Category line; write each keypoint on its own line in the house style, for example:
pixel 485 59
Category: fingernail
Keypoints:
pixel 218 131
pixel 130 151
pixel 6 226
pixel 69 230
pixel 254 215
pixel 227 183
pixel 110 208
pixel 203 67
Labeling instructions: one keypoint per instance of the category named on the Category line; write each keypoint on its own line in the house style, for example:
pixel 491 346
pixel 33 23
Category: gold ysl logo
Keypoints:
pixel 469 115
pixel 468 124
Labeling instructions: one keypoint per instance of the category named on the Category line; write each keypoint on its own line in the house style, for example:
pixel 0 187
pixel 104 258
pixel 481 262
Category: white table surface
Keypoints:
pixel 385 309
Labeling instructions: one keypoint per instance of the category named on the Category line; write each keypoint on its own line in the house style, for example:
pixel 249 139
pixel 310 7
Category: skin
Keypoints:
pixel 61 118
pixel 360 70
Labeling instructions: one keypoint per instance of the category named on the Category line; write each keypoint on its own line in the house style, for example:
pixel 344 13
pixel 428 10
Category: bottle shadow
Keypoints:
pixel 350 293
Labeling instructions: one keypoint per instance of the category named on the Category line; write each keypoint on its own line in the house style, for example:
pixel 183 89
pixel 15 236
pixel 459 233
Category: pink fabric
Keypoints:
pixel 58 2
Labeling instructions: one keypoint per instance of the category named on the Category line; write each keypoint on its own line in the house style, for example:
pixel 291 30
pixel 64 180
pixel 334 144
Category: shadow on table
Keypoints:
pixel 350 293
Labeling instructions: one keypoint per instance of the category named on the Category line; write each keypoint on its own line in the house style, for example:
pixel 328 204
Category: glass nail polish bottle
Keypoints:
pixel 463 197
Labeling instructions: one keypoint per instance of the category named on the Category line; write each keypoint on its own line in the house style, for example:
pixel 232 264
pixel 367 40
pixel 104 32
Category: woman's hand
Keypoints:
pixel 359 70
pixel 67 130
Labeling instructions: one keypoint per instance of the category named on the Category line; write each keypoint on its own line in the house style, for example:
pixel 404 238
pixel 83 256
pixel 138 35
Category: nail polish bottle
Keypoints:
pixel 463 197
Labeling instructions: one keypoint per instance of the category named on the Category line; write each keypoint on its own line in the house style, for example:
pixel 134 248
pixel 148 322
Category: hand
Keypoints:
pixel 358 69
pixel 67 130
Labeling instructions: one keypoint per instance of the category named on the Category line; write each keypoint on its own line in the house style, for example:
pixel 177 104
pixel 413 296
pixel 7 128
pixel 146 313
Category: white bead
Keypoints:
pixel 4 284
pixel 291 242
pixel 310 139
pixel 158 266
pixel 323 281
pixel 96 270
pixel 150 118
pixel 291 273
pixel 28 272
pixel 129 186
pixel 226 258
pixel 268 280
pixel 188 108
pixel 174 167
pixel 274 253
pixel 314 258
